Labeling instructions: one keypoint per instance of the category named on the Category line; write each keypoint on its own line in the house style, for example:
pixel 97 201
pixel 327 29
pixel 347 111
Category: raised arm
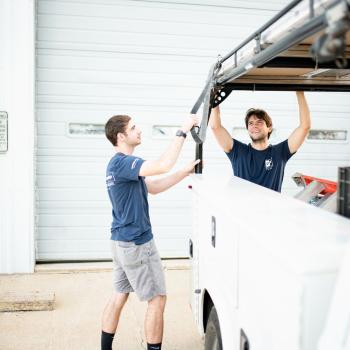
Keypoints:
pixel 222 136
pixel 155 186
pixel 167 160
pixel 297 137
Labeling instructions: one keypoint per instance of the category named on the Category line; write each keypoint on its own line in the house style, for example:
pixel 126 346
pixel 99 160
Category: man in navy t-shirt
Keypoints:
pixel 261 162
pixel 137 265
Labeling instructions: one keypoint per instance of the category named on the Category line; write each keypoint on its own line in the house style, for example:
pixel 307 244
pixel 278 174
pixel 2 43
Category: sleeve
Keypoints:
pixel 128 168
pixel 285 152
pixel 236 149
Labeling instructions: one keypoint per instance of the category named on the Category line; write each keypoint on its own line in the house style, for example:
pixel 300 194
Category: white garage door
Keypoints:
pixel 148 59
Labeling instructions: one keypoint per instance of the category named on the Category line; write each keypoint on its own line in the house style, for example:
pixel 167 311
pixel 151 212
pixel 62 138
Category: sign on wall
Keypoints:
pixel 3 132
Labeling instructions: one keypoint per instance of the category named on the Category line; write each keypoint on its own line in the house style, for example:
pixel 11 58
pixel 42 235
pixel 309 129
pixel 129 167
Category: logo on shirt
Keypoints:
pixel 268 164
pixel 134 163
pixel 110 181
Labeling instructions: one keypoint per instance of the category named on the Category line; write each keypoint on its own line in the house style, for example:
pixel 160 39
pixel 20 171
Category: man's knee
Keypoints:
pixel 118 300
pixel 158 302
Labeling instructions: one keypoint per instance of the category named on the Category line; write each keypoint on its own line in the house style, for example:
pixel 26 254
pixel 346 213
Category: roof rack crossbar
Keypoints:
pixel 264 27
pixel 285 87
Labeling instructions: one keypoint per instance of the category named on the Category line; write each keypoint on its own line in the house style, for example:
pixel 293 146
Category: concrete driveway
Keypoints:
pixel 81 291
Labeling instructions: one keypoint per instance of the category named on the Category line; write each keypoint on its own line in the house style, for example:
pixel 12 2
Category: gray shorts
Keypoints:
pixel 137 268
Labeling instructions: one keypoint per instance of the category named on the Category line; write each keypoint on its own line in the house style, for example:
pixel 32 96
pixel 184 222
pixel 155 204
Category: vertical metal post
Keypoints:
pixel 199 155
pixel 244 343
pixel 312 11
pixel 343 199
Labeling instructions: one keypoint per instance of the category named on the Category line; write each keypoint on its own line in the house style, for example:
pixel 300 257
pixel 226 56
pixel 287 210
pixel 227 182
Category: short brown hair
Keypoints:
pixel 116 124
pixel 260 114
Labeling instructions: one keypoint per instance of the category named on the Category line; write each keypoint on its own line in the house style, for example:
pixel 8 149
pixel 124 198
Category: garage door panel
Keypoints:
pixel 82 76
pixel 53 255
pixel 54 187
pixel 86 143
pixel 91 219
pixel 77 168
pixel 63 206
pixel 70 142
pixel 60 182
pixel 92 248
pixel 332 153
pixel 179 196
pixel 69 194
pixel 113 90
pixel 73 206
pixel 111 109
pixel 46 55
pixel 127 38
pixel 72 94
pixel 51 205
pixel 80 153
pixel 140 49
pixel 341 156
pixel 169 217
pixel 51 129
pixel 212 5
pixel 57 154
pixel 93 233
pixel 76 220
pixel 100 249
pixel 166 247
pixel 166 13
pixel 147 151
pixel 149 26
pixel 119 64
pixel 66 233
pixel 86 194
pixel 146 118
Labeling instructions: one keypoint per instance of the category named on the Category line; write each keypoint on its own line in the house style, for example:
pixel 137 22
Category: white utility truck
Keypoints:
pixel 271 272
pixel 264 267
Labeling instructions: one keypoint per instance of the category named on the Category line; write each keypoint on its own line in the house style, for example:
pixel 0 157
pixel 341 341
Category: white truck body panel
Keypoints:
pixel 273 269
pixel 336 335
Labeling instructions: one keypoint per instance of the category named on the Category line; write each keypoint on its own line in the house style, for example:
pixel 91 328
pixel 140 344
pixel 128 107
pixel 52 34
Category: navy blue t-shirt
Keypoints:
pixel 265 168
pixel 128 194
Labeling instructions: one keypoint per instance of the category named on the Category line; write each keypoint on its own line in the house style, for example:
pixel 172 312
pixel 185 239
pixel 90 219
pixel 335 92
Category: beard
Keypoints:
pixel 258 138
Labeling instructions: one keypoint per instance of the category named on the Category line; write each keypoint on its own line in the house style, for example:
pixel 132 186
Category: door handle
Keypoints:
pixel 213 231
pixel 190 248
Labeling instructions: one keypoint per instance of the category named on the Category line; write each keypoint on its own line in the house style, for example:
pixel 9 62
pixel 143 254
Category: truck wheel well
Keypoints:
pixel 207 305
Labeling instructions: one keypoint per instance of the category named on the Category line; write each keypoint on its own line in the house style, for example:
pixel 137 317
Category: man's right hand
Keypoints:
pixel 190 122
pixel 189 168
pixel 167 160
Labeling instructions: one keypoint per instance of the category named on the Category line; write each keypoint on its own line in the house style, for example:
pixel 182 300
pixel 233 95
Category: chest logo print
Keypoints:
pixel 268 164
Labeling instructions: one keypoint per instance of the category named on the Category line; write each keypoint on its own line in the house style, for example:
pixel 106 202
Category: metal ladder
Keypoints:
pixel 318 192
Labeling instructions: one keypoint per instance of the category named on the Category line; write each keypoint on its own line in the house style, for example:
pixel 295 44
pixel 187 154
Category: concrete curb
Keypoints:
pixel 29 301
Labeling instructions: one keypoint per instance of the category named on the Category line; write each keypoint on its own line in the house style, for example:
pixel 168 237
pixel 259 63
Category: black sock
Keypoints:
pixel 154 346
pixel 106 340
